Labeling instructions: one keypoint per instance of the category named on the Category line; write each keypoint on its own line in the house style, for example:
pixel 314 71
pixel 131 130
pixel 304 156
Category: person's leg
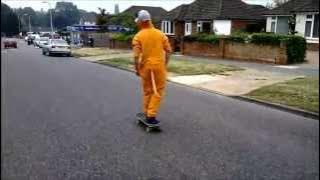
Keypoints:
pixel 147 90
pixel 160 83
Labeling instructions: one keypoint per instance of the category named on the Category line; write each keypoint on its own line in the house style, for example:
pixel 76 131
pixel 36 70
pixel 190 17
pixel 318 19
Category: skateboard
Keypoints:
pixel 141 120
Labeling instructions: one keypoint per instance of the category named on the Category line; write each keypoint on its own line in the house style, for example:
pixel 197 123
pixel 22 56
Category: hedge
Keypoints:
pixel 123 37
pixel 296 45
pixel 240 38
pixel 207 38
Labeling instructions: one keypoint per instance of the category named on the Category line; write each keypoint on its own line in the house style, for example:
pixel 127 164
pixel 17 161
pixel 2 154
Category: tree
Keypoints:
pixel 102 17
pixel 65 14
pixel 269 5
pixel 278 3
pixel 9 21
pixel 292 25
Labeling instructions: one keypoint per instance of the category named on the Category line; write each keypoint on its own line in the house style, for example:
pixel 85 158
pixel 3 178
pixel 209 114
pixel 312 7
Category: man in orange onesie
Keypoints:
pixel 151 55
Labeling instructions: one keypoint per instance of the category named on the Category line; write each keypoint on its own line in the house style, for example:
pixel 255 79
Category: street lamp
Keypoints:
pixel 51 24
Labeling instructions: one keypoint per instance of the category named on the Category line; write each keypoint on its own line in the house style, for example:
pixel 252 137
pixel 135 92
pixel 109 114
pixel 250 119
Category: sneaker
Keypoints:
pixel 153 121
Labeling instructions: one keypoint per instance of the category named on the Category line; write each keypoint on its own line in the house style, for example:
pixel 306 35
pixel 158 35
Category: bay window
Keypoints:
pixel 167 27
pixel 312 26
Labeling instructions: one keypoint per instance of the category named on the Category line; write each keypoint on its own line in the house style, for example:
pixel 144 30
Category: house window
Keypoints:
pixel 167 27
pixel 312 26
pixel 199 26
pixel 274 24
pixel 188 29
pixel 203 26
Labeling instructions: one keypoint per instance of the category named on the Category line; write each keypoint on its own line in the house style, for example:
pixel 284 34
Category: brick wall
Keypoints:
pixel 313 46
pixel 201 49
pixel 256 53
pixel 237 51
pixel 238 25
pixel 119 44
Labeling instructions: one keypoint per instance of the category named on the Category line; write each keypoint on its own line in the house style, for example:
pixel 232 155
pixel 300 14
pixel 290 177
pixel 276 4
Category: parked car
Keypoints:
pixel 56 46
pixel 9 43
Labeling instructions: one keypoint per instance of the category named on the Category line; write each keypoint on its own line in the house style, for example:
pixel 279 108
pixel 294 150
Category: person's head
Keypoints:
pixel 143 18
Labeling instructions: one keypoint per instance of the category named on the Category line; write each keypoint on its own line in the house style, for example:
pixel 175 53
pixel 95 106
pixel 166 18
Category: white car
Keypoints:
pixel 41 41
pixel 56 46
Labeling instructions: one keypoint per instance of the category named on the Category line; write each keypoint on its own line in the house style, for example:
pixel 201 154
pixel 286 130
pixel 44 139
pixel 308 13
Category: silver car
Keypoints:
pixel 56 46
pixel 43 41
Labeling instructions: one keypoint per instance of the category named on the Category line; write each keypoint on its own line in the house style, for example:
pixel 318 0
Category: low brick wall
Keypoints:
pixel 201 49
pixel 237 51
pixel 313 46
pixel 119 44
pixel 256 53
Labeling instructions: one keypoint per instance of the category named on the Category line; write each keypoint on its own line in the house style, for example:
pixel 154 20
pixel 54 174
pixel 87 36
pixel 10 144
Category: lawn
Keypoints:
pixel 180 67
pixel 85 52
pixel 302 93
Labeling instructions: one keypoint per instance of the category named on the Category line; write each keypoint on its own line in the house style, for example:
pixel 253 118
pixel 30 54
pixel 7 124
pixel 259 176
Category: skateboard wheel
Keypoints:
pixel 148 129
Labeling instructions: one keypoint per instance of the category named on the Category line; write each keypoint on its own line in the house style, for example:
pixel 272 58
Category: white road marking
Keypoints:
pixel 288 67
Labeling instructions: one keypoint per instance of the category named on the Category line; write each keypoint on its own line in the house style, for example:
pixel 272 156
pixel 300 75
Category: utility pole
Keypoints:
pixel 51 24
pixel 29 21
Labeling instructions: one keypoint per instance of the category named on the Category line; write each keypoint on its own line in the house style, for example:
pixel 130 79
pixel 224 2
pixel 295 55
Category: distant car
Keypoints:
pixel 43 41
pixel 56 46
pixel 8 43
pixel 40 41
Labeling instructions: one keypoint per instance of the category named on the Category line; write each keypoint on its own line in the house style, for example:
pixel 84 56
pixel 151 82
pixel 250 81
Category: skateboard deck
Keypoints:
pixel 141 119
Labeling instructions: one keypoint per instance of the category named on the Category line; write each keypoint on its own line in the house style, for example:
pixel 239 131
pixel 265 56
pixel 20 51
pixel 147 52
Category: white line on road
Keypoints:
pixel 288 67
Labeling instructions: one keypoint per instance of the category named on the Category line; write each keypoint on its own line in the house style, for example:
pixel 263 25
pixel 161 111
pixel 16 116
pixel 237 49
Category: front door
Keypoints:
pixel 187 29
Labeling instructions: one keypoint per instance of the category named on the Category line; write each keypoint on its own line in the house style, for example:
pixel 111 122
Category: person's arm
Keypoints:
pixel 167 49
pixel 136 54
pixel 137 65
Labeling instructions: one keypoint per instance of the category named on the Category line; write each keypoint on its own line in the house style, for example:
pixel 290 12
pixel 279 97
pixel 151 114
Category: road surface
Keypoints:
pixel 67 119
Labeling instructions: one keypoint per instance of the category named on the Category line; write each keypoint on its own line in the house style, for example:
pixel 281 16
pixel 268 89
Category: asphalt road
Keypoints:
pixel 67 119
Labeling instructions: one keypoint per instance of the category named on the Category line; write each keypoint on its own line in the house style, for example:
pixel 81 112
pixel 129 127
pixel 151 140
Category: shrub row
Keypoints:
pixel 207 38
pixel 123 37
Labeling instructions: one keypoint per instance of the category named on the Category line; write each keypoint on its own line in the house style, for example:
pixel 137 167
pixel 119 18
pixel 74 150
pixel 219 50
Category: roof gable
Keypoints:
pixel 217 9
pixel 295 6
pixel 156 12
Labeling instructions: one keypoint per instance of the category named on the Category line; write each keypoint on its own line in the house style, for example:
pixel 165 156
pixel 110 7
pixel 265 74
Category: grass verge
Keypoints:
pixel 180 67
pixel 85 52
pixel 302 93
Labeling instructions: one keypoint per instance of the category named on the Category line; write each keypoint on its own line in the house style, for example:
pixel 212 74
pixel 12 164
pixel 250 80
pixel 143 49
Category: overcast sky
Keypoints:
pixel 92 5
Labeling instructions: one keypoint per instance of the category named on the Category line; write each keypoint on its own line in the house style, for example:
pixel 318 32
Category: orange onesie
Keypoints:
pixel 151 46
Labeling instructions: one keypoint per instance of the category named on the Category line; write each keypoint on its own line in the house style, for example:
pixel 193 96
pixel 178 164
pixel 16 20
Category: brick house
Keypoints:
pixel 305 13
pixel 219 16
pixel 157 13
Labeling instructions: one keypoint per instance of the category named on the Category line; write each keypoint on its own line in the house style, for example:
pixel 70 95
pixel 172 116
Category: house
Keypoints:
pixel 305 14
pixel 157 13
pixel 219 16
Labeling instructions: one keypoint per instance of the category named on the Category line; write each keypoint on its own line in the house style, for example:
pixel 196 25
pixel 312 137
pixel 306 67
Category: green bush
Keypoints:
pixel 267 39
pixel 238 37
pixel 296 45
pixel 296 49
pixel 123 37
pixel 207 38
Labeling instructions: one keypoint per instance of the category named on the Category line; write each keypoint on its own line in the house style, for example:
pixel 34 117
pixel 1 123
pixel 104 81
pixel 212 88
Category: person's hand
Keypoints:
pixel 137 73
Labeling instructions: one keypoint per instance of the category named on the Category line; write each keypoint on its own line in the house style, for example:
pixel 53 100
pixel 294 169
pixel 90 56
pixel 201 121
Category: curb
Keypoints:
pixel 292 110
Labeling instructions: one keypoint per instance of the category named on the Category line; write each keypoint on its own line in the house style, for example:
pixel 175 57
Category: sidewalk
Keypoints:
pixel 236 83
pixel 305 69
